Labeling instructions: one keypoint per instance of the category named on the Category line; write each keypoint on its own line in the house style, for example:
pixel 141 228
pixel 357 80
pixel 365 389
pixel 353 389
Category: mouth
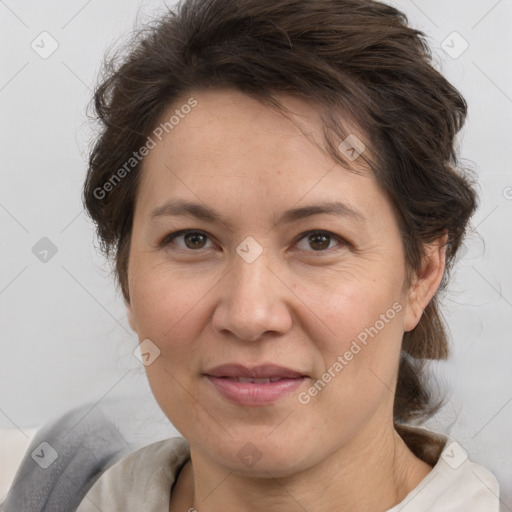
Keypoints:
pixel 259 385
pixel 264 371
pixel 263 380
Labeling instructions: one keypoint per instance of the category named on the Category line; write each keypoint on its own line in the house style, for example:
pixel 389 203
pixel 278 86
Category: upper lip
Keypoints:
pixel 255 372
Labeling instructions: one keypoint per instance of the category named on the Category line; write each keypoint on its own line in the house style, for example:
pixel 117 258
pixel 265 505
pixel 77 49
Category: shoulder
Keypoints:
pixel 72 452
pixel 141 480
pixel 63 459
pixel 455 484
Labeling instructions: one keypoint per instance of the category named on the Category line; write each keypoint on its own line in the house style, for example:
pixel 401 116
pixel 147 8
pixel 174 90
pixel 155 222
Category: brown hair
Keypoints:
pixel 355 56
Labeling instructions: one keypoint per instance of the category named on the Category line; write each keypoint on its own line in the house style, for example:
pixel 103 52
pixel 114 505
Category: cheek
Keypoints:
pixel 166 304
pixel 351 306
pixel 169 312
pixel 364 325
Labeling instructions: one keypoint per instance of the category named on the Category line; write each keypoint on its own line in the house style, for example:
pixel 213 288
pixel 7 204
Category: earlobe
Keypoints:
pixel 425 284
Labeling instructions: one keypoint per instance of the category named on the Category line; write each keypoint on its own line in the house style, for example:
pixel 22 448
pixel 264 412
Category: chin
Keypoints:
pixel 261 457
pixel 266 466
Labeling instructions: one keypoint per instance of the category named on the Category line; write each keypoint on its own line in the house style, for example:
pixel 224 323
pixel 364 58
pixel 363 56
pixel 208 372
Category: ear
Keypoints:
pixel 129 314
pixel 426 283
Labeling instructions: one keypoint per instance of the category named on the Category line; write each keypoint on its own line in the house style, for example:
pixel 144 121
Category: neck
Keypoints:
pixel 372 474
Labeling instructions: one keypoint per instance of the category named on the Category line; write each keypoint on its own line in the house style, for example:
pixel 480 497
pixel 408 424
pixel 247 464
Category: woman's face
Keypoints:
pixel 254 287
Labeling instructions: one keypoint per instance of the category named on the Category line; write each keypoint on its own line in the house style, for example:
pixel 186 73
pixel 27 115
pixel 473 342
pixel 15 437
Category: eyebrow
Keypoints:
pixel 203 212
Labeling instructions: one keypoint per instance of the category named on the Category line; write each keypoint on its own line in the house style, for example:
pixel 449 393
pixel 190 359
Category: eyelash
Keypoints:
pixel 172 236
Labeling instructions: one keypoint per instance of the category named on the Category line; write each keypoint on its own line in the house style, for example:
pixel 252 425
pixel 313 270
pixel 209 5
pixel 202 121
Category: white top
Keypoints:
pixel 142 481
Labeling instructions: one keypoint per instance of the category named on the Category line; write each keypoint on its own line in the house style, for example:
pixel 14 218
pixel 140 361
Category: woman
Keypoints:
pixel 278 186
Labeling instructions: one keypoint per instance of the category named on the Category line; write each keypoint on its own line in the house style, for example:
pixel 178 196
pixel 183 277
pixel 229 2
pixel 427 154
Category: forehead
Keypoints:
pixel 226 123
pixel 230 146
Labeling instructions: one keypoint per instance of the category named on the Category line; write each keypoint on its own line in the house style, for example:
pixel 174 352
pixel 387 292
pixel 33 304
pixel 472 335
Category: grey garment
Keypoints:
pixel 64 460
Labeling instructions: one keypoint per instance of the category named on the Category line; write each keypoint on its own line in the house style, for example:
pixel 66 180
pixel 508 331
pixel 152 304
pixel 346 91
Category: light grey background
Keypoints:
pixel 64 336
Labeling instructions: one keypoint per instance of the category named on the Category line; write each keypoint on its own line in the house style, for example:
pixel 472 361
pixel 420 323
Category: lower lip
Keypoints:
pixel 250 393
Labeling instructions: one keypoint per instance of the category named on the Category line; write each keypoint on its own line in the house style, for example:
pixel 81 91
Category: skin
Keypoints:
pixel 203 305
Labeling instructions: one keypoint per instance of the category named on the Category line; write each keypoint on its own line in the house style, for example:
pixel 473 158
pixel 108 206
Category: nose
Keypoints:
pixel 253 301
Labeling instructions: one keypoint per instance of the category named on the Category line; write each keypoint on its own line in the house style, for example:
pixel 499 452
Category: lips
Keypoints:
pixel 256 386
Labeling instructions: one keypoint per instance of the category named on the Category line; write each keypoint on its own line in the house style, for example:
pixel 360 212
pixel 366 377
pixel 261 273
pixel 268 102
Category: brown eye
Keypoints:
pixel 195 240
pixel 319 241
